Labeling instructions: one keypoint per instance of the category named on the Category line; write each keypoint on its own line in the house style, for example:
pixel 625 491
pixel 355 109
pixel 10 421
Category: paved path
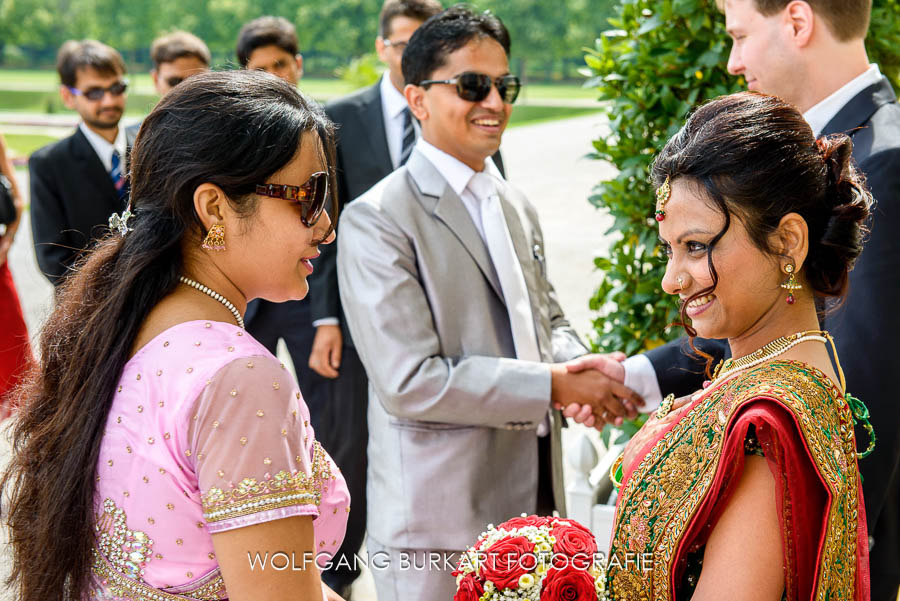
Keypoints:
pixel 546 161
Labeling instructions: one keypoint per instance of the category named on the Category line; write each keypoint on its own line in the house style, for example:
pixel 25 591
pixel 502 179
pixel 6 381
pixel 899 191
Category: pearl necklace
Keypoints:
pixel 769 351
pixel 215 295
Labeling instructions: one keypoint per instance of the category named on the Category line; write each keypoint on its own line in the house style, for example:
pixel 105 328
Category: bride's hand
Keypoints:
pixel 652 429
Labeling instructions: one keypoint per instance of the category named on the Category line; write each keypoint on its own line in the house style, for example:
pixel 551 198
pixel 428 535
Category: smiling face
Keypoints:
pixel 748 295
pixel 273 247
pixel 469 131
pixel 761 51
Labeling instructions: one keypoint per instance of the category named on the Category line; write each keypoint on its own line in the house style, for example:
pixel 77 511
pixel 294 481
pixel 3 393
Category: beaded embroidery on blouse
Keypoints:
pixel 122 554
pixel 671 482
pixel 281 490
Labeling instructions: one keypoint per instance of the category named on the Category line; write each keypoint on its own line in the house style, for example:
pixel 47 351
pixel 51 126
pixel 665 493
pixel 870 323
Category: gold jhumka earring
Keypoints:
pixel 791 284
pixel 215 238
pixel 663 193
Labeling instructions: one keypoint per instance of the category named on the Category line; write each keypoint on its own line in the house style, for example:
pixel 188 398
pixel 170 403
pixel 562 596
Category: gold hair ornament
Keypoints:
pixel 663 193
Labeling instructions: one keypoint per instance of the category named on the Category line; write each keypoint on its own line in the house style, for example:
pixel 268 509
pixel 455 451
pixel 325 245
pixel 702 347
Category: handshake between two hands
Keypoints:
pixel 591 390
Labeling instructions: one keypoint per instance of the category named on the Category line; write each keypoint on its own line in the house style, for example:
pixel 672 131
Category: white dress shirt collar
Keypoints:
pixel 391 99
pixel 819 115
pixel 392 105
pixel 103 148
pixel 451 168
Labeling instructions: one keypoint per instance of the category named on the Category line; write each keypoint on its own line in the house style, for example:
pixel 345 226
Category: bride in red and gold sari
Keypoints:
pixel 749 489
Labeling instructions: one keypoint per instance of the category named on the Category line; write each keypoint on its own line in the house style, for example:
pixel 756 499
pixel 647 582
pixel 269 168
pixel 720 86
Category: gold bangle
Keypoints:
pixel 615 472
pixel 665 406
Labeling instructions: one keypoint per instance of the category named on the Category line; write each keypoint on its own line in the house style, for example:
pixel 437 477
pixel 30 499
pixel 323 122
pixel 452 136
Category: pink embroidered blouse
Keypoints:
pixel 207 432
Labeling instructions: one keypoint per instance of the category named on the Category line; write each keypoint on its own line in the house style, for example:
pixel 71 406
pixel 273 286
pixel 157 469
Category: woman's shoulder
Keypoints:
pixel 203 341
pixel 791 382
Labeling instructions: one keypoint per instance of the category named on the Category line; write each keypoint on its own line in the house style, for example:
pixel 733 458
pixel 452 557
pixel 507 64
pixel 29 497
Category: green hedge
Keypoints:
pixel 663 58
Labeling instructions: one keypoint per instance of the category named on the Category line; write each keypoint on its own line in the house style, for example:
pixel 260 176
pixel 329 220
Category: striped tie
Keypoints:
pixel 116 175
pixel 409 137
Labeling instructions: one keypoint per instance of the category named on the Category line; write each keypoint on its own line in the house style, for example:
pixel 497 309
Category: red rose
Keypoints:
pixel 570 584
pixel 572 523
pixel 521 522
pixel 504 563
pixel 574 541
pixel 469 589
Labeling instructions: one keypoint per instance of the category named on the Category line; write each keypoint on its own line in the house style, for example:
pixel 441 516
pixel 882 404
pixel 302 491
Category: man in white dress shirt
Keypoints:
pixel 444 288
pixel 78 182
pixel 813 55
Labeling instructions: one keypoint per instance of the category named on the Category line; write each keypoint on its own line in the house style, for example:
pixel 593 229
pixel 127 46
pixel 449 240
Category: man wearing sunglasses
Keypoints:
pixel 445 291
pixel 78 182
pixel 176 56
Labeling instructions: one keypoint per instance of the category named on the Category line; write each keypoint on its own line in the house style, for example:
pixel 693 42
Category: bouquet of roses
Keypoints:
pixel 534 558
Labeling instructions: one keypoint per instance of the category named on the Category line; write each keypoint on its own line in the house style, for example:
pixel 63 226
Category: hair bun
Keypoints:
pixel 850 203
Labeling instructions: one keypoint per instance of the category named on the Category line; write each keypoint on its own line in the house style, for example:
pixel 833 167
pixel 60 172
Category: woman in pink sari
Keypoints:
pixel 749 489
pixel 162 453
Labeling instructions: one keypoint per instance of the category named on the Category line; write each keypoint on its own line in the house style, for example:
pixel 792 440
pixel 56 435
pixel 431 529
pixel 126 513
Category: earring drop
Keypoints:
pixel 215 238
pixel 791 284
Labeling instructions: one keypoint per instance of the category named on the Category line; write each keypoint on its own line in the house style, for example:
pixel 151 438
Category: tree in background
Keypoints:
pixel 663 58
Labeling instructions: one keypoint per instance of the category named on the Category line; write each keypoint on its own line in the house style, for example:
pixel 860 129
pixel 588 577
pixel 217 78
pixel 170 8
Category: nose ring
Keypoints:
pixel 680 281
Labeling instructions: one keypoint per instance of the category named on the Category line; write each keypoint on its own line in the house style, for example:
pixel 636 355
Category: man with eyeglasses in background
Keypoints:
pixel 176 56
pixel 444 287
pixel 78 182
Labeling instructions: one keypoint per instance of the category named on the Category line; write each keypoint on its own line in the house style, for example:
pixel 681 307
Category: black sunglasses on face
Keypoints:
pixel 95 94
pixel 475 87
pixel 309 195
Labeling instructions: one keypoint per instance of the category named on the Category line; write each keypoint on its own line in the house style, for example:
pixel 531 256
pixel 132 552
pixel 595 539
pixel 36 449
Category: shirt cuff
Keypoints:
pixel 641 378
pixel 326 321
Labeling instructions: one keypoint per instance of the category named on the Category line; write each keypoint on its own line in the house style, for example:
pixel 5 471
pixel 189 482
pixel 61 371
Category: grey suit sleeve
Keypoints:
pixel 392 325
pixel 48 222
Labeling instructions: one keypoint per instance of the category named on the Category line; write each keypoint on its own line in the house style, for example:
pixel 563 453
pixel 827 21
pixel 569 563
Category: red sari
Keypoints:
pixel 15 351
pixel 671 499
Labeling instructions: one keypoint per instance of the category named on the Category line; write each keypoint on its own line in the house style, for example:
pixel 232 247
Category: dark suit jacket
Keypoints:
pixel 866 328
pixel 72 197
pixel 363 159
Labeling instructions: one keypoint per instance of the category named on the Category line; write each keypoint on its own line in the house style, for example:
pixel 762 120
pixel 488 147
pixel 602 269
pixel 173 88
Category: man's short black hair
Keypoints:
pixel 444 34
pixel 76 55
pixel 178 44
pixel 266 31
pixel 419 10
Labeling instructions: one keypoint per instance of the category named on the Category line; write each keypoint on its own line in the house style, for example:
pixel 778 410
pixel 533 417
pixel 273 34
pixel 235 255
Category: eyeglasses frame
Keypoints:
pixel 124 82
pixel 293 193
pixel 494 83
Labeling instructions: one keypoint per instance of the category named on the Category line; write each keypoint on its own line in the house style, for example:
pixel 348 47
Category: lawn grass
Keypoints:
pixel 22 145
pixel 530 114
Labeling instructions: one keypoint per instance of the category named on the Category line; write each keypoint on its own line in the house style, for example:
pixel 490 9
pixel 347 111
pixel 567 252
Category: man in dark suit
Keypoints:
pixel 78 182
pixel 813 56
pixel 375 136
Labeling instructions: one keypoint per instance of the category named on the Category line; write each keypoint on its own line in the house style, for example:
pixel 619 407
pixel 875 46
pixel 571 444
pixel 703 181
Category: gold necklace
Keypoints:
pixel 725 369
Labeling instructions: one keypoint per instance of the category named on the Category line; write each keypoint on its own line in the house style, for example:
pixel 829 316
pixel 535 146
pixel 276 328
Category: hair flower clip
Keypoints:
pixel 120 222
pixel 662 197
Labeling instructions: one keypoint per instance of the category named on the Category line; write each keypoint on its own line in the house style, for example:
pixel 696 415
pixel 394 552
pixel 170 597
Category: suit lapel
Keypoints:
pixel 94 171
pixel 372 118
pixel 512 212
pixel 861 108
pixel 450 210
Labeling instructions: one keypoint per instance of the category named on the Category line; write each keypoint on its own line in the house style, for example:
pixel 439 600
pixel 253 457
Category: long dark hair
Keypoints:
pixel 755 157
pixel 232 129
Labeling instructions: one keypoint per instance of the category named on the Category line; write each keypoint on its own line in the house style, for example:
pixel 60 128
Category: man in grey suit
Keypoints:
pixel 444 288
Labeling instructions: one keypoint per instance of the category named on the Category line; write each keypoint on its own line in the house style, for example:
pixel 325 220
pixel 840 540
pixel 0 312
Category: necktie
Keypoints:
pixel 409 137
pixel 116 175
pixel 509 270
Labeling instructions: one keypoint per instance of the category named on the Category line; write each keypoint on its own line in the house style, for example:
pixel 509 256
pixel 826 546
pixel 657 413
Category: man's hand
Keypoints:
pixel 325 358
pixel 611 366
pixel 597 394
